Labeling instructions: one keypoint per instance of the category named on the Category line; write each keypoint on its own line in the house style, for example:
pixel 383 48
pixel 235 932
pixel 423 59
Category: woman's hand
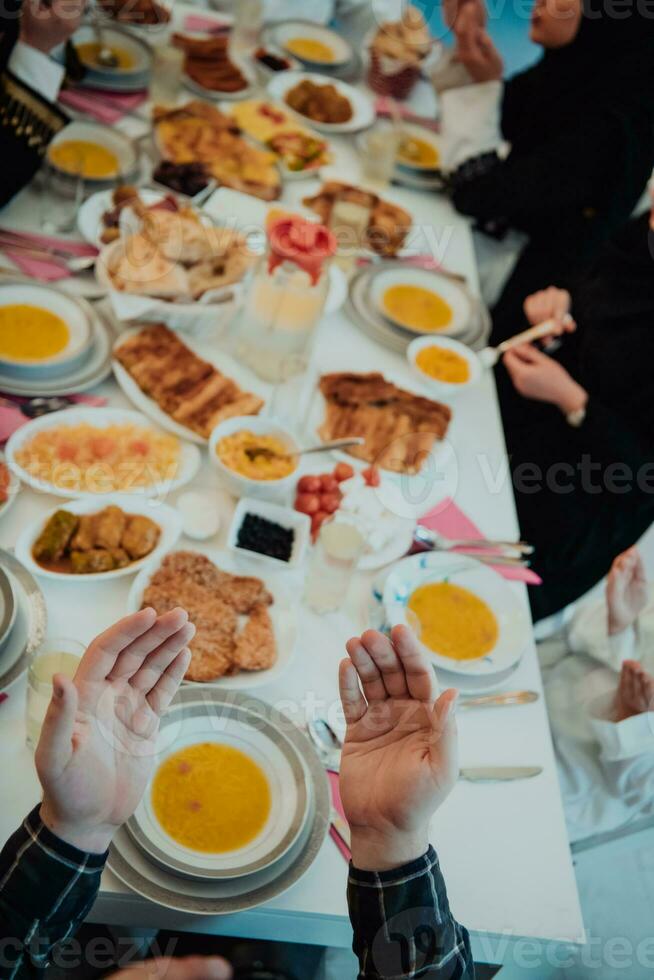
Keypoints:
pixel 627 592
pixel 399 759
pixel 452 10
pixel 537 376
pixel 45 25
pixel 551 304
pixel 98 741
pixel 474 48
pixel 184 968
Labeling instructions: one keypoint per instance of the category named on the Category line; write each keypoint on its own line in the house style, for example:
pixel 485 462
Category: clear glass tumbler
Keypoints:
pixel 336 553
pixel 55 656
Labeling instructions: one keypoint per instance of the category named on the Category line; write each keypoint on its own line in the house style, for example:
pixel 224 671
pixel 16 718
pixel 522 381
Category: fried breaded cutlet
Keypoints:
pixel 190 390
pixel 234 630
pixel 388 224
pixel 399 428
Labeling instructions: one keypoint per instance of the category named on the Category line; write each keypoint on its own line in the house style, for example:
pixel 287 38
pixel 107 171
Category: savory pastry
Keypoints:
pixel 190 390
pixel 399 428
pixel 387 224
pixel 208 64
pixel 94 543
pixel 138 266
pixel 397 52
pixel 202 134
pixel 322 103
pixel 217 602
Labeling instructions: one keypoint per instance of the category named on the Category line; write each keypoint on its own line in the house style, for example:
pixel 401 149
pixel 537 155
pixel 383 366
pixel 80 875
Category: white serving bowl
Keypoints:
pixel 426 136
pixel 115 37
pixel 286 517
pixel 166 517
pixel 117 143
pixel 61 305
pixel 289 30
pixel 242 486
pixel 444 389
pixel 448 289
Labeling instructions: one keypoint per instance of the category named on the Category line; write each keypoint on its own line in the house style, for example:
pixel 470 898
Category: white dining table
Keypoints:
pixel 503 847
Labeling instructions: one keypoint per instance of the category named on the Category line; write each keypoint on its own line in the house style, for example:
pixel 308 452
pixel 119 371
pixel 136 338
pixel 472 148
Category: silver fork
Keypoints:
pixel 438 542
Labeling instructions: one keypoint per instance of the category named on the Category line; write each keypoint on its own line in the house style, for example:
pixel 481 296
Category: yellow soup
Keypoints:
pixel 29 333
pixel 443 365
pixel 211 798
pixel 88 55
pixel 417 153
pixel 90 159
pixel 417 308
pixel 454 622
pixel 310 49
pixel 239 453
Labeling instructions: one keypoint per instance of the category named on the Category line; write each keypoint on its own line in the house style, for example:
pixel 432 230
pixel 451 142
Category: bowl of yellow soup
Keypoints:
pixel 444 366
pixel 229 795
pixel 312 44
pixel 468 619
pixel 418 152
pixel 43 332
pixel 133 56
pixel 233 446
pixel 101 155
pixel 421 302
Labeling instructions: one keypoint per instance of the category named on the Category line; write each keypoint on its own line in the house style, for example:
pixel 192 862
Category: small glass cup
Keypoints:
pixel 55 656
pixel 166 75
pixel 336 554
pixel 61 196
pixel 378 148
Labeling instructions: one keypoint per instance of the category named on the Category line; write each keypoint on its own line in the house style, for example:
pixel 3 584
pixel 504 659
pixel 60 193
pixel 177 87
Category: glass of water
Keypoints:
pixel 336 554
pixel 166 76
pixel 55 656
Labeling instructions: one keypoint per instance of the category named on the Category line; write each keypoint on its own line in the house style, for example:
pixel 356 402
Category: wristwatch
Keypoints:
pixel 576 418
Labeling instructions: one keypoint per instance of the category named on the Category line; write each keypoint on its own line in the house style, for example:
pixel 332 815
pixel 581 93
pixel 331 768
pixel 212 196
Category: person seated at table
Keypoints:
pixel 599 685
pixel 579 425
pixel 553 161
pixel 29 84
pixel 94 775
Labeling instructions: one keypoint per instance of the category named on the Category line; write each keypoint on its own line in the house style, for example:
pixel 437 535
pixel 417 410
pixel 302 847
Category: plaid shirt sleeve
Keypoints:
pixel 403 926
pixel 47 888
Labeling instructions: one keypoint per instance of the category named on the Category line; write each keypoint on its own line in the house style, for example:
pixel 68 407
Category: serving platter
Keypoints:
pixel 216 95
pixel 363 109
pixel 168 519
pixel 260 741
pixel 30 623
pixel 485 583
pixel 89 216
pixel 283 613
pixel 139 873
pixel 188 456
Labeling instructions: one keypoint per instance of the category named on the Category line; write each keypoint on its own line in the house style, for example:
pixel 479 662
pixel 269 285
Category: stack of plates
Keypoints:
pixel 363 309
pixel 84 363
pixel 22 618
pixel 345 63
pixel 153 864
pixel 132 79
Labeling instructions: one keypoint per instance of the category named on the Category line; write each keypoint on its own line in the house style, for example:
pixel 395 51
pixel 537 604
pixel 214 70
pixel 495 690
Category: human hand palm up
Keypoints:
pixel 98 740
pixel 627 592
pixel 399 758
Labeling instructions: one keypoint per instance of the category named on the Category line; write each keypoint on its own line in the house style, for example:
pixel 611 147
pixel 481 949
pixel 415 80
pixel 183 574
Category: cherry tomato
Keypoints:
pixel 307 503
pixel 330 502
pixel 328 483
pixel 317 521
pixel 371 476
pixel 343 471
pixel 309 484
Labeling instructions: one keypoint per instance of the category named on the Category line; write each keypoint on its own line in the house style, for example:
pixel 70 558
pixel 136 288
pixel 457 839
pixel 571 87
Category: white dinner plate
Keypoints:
pixel 448 290
pixel 29 625
pixel 123 148
pixel 188 455
pixel 114 36
pixel 285 32
pixel 283 613
pixel 89 216
pixel 214 355
pixel 12 489
pixel 363 108
pixel 168 519
pixel 287 783
pixel 248 73
pixel 485 583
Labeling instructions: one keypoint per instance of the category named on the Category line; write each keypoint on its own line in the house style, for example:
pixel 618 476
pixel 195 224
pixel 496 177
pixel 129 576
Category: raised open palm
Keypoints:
pixel 98 742
pixel 399 759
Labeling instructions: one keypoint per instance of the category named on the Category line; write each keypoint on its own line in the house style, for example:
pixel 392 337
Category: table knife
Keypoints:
pixel 499 774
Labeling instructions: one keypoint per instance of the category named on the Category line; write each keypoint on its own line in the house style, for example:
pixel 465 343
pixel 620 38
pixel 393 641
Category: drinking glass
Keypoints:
pixel 55 656
pixel 61 196
pixel 336 553
pixel 166 76
pixel 378 147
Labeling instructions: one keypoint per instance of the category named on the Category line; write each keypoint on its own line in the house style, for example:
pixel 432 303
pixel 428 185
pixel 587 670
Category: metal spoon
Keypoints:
pixel 327 743
pixel 499 700
pixel 255 452
pixel 105 57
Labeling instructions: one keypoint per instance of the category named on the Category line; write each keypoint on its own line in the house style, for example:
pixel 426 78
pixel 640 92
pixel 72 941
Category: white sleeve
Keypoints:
pixel 36 69
pixel 622 739
pixel 588 633
pixel 470 122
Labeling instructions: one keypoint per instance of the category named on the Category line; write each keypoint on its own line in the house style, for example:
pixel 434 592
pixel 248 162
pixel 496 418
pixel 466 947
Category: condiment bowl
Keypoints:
pixel 444 389
pixel 243 486
pixel 286 517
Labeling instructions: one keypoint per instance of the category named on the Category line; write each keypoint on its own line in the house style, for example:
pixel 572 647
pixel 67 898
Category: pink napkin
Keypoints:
pixel 44 269
pixel 417 261
pixel 383 109
pixel 3 697
pixel 106 107
pixel 337 804
pixel 198 24
pixel 11 417
pixel 450 521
